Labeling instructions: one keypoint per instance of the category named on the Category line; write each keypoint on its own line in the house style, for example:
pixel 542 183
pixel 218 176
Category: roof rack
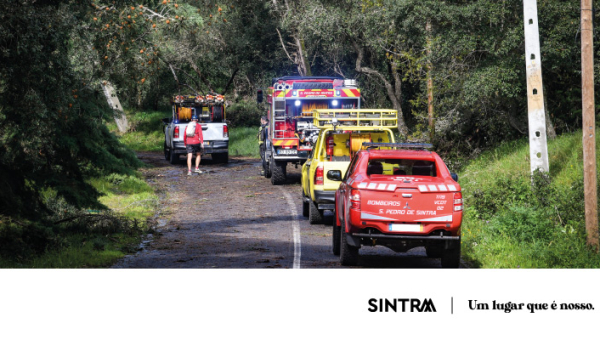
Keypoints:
pixel 356 119
pixel 198 100
pixel 420 146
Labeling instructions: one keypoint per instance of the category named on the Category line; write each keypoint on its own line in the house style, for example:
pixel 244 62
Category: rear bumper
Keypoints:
pixel 213 147
pixel 370 232
pixel 403 242
pixel 325 199
pixel 407 237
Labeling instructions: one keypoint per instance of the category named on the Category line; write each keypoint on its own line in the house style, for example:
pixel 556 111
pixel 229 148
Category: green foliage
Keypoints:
pixel 244 113
pixel 145 130
pixel 51 129
pixel 81 238
pixel 243 141
pixel 514 220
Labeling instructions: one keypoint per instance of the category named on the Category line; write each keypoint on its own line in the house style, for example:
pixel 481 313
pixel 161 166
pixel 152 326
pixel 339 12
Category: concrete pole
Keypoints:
pixel 538 147
pixel 589 125
pixel 430 83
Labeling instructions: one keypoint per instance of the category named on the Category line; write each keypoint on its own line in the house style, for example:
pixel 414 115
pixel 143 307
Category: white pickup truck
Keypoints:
pixel 211 116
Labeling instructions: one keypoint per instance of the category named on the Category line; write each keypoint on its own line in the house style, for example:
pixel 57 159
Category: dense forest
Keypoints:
pixel 55 54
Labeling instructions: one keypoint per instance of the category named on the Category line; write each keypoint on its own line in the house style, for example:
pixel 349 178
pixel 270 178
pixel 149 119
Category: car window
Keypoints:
pixel 401 167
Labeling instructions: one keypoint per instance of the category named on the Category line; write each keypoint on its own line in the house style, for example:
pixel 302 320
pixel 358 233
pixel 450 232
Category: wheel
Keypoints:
pixel 451 257
pixel 221 157
pixel 315 216
pixel 266 168
pixel 336 237
pixel 304 205
pixel 277 172
pixel 348 253
pixel 173 157
pixel 166 150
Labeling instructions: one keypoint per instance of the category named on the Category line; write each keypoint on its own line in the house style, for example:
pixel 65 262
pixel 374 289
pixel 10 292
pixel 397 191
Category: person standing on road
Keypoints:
pixel 194 144
pixel 262 132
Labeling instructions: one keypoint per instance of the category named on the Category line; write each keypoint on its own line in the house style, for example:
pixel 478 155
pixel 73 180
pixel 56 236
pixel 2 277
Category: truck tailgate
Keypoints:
pixel 327 166
pixel 429 200
pixel 213 131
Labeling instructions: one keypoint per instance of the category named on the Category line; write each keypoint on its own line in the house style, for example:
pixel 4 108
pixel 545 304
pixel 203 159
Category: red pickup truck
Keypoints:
pixel 399 196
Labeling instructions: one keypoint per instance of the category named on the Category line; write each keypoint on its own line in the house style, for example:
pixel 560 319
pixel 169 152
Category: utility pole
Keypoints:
pixel 538 147
pixel 589 125
pixel 429 83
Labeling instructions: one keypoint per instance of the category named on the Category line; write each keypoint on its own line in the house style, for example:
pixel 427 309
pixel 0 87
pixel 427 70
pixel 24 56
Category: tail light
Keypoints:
pixel 458 202
pixel 176 132
pixel 225 132
pixel 355 199
pixel 319 176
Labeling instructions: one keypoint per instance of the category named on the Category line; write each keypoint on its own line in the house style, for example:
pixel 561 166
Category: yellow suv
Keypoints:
pixel 342 134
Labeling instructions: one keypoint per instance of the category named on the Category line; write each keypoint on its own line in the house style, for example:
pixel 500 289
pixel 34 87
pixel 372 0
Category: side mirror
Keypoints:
pixel 454 176
pixel 166 121
pixel 259 96
pixel 334 175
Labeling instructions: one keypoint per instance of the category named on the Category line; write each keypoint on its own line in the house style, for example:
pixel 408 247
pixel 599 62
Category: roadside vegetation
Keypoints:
pixel 69 237
pixel 145 130
pixel 512 221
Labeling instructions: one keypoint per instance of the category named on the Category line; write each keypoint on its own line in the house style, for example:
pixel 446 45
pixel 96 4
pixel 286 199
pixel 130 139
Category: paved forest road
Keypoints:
pixel 231 217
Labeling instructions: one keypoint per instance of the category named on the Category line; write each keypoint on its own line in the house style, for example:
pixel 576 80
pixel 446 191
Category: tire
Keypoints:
pixel 277 172
pixel 348 253
pixel 315 216
pixel 167 152
pixel 336 237
pixel 266 168
pixel 304 205
pixel 173 158
pixel 451 257
pixel 221 157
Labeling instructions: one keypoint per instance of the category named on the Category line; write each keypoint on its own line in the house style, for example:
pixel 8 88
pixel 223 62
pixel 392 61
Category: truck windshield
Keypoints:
pixel 401 167
pixel 304 107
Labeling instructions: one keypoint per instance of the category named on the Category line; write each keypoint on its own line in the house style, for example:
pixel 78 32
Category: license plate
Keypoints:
pixel 405 227
pixel 287 151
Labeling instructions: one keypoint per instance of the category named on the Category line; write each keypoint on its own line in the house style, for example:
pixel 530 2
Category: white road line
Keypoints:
pixel 295 228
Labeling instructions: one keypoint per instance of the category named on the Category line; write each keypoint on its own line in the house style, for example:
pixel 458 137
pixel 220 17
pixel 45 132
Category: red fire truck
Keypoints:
pixel 291 134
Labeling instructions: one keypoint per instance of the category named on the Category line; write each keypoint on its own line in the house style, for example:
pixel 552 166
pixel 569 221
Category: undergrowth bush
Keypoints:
pixel 514 220
pixel 244 113
pixel 23 239
pixel 69 237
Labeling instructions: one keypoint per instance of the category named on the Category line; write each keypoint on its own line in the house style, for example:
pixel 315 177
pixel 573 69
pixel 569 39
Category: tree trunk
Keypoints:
pixel 230 81
pixel 303 65
pixel 115 105
pixel 394 92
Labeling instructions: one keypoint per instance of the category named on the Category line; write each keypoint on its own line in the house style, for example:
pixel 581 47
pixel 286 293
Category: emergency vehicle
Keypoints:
pixel 291 133
pixel 400 198
pixel 342 134
pixel 210 110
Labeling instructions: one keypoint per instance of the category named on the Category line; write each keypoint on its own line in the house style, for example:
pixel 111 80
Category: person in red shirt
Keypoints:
pixel 194 145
